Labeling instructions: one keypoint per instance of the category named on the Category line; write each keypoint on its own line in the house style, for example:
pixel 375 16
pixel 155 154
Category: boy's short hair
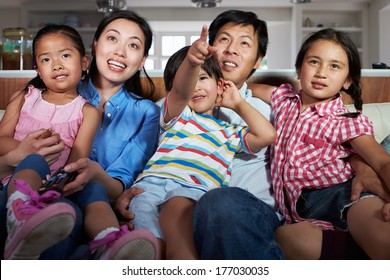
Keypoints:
pixel 210 66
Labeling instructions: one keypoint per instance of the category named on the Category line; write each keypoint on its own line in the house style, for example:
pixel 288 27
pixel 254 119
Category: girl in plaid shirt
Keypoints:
pixel 311 176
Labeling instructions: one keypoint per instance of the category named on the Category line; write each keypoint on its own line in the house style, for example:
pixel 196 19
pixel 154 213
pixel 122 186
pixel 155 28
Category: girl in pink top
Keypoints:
pixel 311 176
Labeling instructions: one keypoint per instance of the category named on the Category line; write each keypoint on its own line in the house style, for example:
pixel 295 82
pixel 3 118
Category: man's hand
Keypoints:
pixel 366 180
pixel 121 206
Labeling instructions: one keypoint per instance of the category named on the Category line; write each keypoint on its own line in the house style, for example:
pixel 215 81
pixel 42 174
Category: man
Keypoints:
pixel 227 232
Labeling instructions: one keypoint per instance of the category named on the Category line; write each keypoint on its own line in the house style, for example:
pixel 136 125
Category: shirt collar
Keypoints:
pixel 244 91
pixel 333 107
pixel 89 92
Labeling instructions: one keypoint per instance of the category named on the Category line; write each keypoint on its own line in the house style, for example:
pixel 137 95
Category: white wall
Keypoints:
pixel 377 39
pixel 278 53
pixel 384 35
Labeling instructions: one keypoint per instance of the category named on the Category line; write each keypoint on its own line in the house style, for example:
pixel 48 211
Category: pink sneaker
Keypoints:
pixel 33 225
pixel 138 244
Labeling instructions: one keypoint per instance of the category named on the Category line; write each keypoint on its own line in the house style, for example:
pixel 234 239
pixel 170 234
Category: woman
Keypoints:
pixel 127 135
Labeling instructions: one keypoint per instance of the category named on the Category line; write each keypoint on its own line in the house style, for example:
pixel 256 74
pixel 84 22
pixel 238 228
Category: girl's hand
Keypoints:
pixel 42 142
pixel 86 171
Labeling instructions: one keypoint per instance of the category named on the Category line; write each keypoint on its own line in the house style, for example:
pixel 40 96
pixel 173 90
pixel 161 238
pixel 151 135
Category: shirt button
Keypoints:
pixel 109 115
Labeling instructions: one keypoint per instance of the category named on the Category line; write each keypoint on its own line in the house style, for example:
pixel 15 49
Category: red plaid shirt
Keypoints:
pixel 309 150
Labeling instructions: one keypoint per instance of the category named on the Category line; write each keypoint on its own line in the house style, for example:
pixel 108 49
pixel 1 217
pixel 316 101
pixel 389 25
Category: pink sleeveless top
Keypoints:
pixel 37 113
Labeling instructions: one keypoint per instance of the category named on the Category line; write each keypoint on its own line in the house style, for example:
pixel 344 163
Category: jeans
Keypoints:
pixel 66 248
pixel 328 204
pixel 231 223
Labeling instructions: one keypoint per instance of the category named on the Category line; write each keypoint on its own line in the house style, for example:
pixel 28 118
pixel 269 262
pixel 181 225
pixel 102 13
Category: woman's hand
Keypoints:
pixel 86 170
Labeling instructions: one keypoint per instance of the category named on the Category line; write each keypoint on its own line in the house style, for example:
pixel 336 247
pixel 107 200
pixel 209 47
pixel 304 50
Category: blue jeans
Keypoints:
pixel 65 249
pixel 231 223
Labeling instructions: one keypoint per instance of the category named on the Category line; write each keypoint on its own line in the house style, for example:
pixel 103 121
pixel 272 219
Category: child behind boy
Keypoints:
pixel 196 149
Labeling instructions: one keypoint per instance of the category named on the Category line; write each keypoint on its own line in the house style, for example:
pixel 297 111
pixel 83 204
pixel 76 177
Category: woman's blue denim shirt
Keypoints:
pixel 128 133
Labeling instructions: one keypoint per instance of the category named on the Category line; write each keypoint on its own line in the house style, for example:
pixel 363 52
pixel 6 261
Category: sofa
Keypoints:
pixel 379 114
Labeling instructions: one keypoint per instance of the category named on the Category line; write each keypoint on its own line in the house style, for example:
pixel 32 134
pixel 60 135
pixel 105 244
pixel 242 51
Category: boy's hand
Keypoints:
pixel 200 50
pixel 230 97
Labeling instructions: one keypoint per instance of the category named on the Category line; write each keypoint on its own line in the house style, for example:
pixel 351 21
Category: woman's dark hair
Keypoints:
pixel 60 29
pixel 341 39
pixel 210 66
pixel 242 18
pixel 133 85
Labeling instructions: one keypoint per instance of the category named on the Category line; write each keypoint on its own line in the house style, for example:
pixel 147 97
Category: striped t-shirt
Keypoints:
pixel 196 150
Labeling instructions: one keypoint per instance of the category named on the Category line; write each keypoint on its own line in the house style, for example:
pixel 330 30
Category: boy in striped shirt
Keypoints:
pixel 196 150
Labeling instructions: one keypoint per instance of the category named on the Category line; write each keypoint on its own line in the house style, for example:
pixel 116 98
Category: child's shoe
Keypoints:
pixel 33 225
pixel 138 244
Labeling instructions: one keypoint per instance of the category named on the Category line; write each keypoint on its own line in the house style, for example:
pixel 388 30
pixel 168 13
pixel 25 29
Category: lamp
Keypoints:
pixel 205 3
pixel 300 1
pixel 108 6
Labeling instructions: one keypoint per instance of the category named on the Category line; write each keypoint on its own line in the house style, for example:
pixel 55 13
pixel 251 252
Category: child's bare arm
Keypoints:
pixel 262 91
pixel 187 76
pixel 85 135
pixel 9 121
pixel 262 133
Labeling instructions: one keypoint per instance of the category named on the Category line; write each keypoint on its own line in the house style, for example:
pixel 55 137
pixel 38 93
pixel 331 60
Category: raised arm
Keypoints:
pixel 262 133
pixel 187 76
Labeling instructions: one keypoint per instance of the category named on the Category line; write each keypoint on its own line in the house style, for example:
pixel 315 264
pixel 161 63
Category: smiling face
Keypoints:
pixel 205 94
pixel 237 50
pixel 59 63
pixel 119 51
pixel 324 72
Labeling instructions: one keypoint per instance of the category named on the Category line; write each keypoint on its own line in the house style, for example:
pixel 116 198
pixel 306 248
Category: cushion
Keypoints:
pixel 379 114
